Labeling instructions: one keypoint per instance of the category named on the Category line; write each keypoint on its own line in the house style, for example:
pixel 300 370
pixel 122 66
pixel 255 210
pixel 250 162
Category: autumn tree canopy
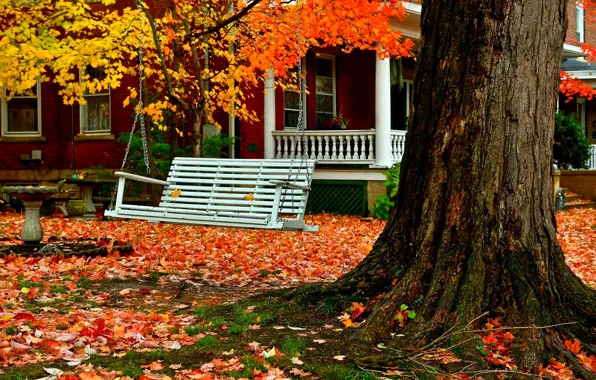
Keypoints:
pixel 199 55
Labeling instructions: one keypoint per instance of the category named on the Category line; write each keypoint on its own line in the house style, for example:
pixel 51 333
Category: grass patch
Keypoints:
pixel 59 289
pixel 293 346
pixel 84 282
pixel 207 341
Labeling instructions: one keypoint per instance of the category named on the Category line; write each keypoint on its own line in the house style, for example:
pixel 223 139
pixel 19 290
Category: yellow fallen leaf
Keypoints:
pixel 6 317
pixel 176 193
pixel 249 197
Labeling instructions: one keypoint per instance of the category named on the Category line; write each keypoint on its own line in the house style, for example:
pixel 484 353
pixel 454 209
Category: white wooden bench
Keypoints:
pixel 227 192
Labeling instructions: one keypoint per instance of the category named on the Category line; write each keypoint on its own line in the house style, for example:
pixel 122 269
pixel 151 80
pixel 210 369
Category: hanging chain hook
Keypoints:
pixel 138 112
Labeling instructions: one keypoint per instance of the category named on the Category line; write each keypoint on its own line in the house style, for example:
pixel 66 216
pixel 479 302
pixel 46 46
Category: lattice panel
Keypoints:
pixel 338 197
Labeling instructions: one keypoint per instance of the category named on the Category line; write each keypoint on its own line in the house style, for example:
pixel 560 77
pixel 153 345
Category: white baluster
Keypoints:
pixel 312 148
pixel 286 150
pixel 319 148
pixel 299 147
pixel 394 147
pixel 334 147
pixel 401 146
pixel 278 153
pixel 356 155
pixel 292 146
pixel 341 139
pixel 349 149
pixel 362 151
pixel 326 148
pixel 371 147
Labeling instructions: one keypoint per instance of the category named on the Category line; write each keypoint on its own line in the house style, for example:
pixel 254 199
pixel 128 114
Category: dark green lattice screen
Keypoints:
pixel 337 197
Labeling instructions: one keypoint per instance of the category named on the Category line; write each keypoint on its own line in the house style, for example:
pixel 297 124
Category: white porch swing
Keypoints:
pixel 241 193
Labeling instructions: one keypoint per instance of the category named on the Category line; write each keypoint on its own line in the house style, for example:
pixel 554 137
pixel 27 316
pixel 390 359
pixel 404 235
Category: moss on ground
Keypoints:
pixel 269 319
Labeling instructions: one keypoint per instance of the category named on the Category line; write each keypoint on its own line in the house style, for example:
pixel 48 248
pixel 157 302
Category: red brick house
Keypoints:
pixel 356 85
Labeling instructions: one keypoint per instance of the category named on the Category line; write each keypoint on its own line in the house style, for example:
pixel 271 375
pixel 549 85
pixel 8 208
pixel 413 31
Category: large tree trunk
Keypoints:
pixel 473 229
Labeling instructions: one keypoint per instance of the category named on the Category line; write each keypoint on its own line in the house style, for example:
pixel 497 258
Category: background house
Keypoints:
pixel 42 139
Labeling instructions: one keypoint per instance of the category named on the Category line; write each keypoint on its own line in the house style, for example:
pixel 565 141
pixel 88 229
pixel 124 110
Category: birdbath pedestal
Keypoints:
pixel 32 198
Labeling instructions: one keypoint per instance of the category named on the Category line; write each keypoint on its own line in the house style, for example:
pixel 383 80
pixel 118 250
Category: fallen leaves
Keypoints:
pixel 577 236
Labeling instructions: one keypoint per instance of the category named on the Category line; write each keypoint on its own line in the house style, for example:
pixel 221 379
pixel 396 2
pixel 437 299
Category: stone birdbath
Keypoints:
pixel 32 198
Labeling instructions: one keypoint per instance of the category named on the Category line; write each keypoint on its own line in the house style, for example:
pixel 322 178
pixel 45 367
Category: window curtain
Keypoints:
pixel 97 113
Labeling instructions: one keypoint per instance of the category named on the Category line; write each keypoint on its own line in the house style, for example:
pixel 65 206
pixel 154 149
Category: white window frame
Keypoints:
pixel 4 115
pixel 581 113
pixel 304 107
pixel 579 23
pixel 409 87
pixel 83 112
pixel 332 58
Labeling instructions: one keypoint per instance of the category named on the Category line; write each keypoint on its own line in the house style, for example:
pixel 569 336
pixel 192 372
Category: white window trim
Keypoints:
pixel 581 113
pixel 304 105
pixel 83 112
pixel 580 27
pixel 4 115
pixel 333 82
pixel 409 85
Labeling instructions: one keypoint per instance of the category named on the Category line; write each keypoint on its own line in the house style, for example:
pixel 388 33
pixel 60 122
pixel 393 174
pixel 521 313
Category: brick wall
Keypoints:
pixel 571 20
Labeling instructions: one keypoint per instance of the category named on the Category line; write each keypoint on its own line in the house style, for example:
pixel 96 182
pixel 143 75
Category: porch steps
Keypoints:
pixel 574 201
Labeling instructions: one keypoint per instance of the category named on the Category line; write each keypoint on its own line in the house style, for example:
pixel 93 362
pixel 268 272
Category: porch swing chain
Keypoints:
pixel 300 134
pixel 139 112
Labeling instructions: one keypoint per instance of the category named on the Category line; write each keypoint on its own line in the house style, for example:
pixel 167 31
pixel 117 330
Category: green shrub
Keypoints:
pixel 384 203
pixel 572 148
pixel 213 147
pixel 160 152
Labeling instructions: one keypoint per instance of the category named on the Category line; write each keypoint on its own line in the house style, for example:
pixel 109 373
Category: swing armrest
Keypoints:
pixel 135 177
pixel 291 185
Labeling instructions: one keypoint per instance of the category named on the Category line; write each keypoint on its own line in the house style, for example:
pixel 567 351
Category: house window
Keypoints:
pixel 292 102
pixel 326 104
pixel 291 108
pixel 579 23
pixel 401 104
pixel 581 113
pixel 95 115
pixel 21 115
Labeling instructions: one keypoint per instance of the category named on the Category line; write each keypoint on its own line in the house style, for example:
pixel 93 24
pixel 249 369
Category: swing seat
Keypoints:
pixel 237 193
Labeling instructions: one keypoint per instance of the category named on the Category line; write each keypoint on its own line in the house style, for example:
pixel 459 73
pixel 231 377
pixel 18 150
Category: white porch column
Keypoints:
pixel 383 114
pixel 269 116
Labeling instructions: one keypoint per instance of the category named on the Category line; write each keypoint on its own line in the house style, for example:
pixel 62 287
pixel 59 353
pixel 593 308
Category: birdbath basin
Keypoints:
pixel 32 197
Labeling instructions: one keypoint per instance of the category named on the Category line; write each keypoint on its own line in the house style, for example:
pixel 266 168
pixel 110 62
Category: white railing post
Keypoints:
pixel 269 115
pixel 337 146
pixel 592 158
pixel 383 113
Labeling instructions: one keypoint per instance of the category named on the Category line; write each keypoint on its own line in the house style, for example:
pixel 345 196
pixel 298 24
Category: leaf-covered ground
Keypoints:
pixel 149 316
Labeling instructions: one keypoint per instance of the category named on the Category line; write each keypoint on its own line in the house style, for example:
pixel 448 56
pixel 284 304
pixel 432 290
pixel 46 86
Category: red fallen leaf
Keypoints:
pixel 97 331
pixel 155 366
pixel 144 291
pixel 69 377
pixel 575 347
pixel 359 309
pixel 223 327
pixel 24 317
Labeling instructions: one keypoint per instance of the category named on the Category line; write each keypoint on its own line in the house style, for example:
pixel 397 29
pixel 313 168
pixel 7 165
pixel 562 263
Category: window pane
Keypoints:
pixel 291 100
pixel 324 85
pixel 291 119
pixel 324 67
pixel 325 103
pixel 98 73
pixel 22 115
pixel 98 113
pixel 579 23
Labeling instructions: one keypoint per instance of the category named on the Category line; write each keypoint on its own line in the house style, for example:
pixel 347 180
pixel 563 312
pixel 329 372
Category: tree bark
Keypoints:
pixel 473 229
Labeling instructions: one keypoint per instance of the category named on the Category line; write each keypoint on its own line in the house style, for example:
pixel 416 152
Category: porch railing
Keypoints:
pixel 337 146
pixel 592 158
